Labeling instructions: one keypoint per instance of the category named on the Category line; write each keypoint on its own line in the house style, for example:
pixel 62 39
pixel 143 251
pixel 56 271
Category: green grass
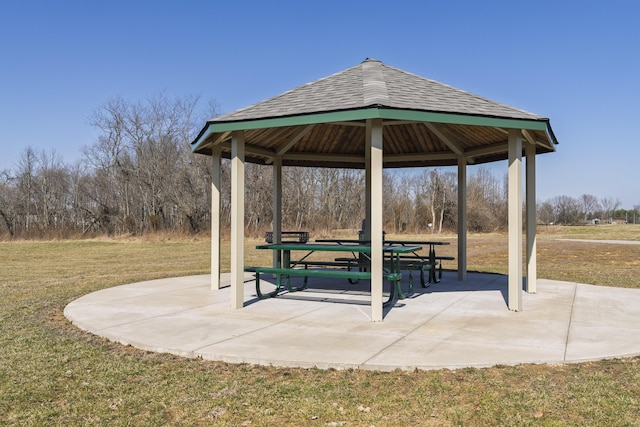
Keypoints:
pixel 53 374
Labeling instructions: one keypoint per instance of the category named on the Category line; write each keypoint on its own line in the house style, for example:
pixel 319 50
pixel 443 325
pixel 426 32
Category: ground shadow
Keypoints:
pixel 341 291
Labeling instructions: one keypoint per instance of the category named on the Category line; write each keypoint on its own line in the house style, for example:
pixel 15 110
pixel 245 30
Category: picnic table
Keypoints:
pixel 351 269
pixel 412 259
pixel 435 261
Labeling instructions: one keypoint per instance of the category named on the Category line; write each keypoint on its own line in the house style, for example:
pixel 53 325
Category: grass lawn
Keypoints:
pixel 53 374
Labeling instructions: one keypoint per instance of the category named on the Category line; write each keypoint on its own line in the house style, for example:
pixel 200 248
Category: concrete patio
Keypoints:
pixel 451 324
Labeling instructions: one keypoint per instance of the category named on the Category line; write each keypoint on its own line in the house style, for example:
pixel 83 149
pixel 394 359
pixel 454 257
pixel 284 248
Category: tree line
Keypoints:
pixel 140 176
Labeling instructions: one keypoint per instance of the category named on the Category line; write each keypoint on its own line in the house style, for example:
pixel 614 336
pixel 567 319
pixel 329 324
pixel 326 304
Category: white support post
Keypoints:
pixel 515 220
pixel 374 146
pixel 237 219
pixel 215 218
pixel 532 268
pixel 277 205
pixel 366 227
pixel 462 218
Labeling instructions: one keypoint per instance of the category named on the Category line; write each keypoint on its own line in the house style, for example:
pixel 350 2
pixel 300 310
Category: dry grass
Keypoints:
pixel 599 232
pixel 53 374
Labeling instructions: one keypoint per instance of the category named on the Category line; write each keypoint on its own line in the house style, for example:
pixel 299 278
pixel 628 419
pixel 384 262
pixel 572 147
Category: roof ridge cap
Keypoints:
pixel 374 85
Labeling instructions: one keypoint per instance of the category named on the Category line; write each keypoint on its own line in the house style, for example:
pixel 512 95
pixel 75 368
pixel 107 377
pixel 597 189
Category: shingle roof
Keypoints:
pixel 372 83
pixel 425 123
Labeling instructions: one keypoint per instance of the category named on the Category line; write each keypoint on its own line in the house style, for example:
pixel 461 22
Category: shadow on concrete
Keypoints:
pixel 341 291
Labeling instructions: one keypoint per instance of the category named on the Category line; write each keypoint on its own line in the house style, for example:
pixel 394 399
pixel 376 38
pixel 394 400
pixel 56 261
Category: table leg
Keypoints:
pixel 279 265
pixel 432 261
pixel 397 268
pixel 287 282
pixel 395 286
pixel 262 295
pixel 392 296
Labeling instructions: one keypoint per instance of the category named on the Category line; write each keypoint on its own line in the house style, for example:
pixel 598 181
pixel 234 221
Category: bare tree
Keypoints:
pixel 486 205
pixel 609 205
pixel 25 177
pixel 142 149
pixel 258 196
pixel 52 190
pixel 589 205
pixel 546 213
pixel 351 198
pixel 111 159
pixel 567 209
pixel 399 202
pixel 438 194
pixel 191 191
pixel 8 202
pixel 321 198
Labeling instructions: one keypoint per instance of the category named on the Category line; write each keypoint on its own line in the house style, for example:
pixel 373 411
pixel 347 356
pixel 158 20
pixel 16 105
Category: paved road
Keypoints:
pixel 615 242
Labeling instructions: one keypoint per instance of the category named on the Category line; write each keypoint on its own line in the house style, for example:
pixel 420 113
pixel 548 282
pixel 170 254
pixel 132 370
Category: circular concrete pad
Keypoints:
pixel 451 324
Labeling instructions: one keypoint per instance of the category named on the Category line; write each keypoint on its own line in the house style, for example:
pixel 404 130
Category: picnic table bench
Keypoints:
pixel 286 268
pixel 411 260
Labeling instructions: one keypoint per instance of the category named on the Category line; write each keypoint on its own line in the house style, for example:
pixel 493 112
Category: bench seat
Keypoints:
pixel 333 273
pixel 410 263
pixel 341 262
pixel 347 263
pixel 435 265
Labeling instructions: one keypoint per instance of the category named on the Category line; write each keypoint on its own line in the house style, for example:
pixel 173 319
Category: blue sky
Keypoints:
pixel 576 62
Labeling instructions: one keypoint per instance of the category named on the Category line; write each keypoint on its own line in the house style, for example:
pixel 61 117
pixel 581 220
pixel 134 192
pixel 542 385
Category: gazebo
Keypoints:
pixel 373 116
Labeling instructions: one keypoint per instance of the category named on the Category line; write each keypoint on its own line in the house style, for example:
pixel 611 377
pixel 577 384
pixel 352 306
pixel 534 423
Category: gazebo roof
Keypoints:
pixel 426 123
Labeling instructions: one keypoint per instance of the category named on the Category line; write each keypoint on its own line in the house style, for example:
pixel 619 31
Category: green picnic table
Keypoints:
pixel 285 267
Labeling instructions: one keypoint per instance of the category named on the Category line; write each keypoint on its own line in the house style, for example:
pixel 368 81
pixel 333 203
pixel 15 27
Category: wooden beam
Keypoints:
pixel 344 158
pixel 531 139
pixel 419 157
pixel 455 147
pixel 220 138
pixel 488 150
pixel 527 135
pixel 253 150
pixel 297 137
pixel 353 124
